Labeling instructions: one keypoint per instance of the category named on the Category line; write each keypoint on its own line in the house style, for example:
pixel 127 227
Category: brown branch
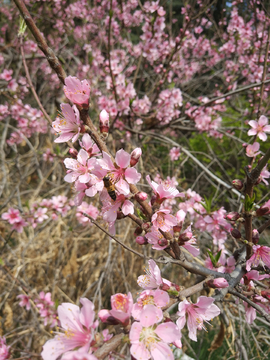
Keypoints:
pixel 108 346
pixel 31 84
pixel 264 226
pixel 41 42
pixel 251 303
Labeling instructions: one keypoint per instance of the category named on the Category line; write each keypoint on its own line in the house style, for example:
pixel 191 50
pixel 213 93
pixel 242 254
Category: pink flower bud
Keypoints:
pixel 73 153
pixel 218 283
pixel 186 236
pixel 141 240
pixel 141 196
pixel 145 226
pixel 255 236
pixel 232 216
pixel 104 122
pixel 107 318
pixel 237 184
pixel 235 233
pixel 262 211
pixel 135 156
pixel 163 242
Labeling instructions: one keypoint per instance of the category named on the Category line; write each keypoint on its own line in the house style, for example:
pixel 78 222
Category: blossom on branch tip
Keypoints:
pixel 69 126
pixel 77 91
pixel 164 190
pixel 259 128
pixel 163 220
pixel 152 279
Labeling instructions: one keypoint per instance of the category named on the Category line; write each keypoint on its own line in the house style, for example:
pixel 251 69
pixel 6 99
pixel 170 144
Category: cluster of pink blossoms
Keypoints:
pixel 48 209
pixel 151 334
pixel 45 306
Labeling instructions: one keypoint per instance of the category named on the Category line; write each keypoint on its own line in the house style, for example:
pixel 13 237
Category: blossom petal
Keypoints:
pixel 122 158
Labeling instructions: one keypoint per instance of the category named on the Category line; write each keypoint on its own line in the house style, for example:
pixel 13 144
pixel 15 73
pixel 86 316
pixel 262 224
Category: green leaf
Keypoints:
pixel 212 258
pixel 1 261
pixel 249 202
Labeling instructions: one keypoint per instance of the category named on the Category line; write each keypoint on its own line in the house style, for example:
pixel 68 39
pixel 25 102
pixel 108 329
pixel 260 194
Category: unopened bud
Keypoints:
pixel 217 283
pixel 135 156
pixel 73 153
pixel 235 233
pixel 104 122
pixel 141 196
pixel 237 184
pixel 185 236
pixel 107 318
pixel 232 216
pixel 141 240
pixel 138 231
pixel 255 236
pixel 145 226
pixel 163 242
pixel 262 211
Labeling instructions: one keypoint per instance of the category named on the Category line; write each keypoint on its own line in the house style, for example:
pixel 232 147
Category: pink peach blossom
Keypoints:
pixel 69 126
pixel 259 128
pixel 203 310
pixel 78 326
pixel 260 253
pixel 252 150
pixel 77 91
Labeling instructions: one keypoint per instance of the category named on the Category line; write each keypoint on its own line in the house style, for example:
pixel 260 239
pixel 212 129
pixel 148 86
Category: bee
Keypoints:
pixel 110 187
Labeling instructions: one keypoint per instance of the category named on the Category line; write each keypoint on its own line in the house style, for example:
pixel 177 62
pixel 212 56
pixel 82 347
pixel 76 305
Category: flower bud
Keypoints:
pixel 237 184
pixel 141 240
pixel 104 123
pixel 145 226
pixel 163 242
pixel 107 318
pixel 255 236
pixel 138 231
pixel 73 153
pixel 141 196
pixel 186 236
pixel 232 216
pixel 153 199
pixel 135 156
pixel 235 233
pixel 262 211
pixel 218 283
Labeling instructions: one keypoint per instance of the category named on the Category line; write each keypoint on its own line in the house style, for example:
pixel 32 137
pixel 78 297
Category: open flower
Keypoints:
pixel 164 220
pixel 121 174
pixel 158 297
pixel 78 326
pixel 253 150
pixel 259 128
pixel 260 253
pixel 203 310
pixel 152 279
pixel 69 126
pixel 164 190
pixel 77 91
pixel 148 340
